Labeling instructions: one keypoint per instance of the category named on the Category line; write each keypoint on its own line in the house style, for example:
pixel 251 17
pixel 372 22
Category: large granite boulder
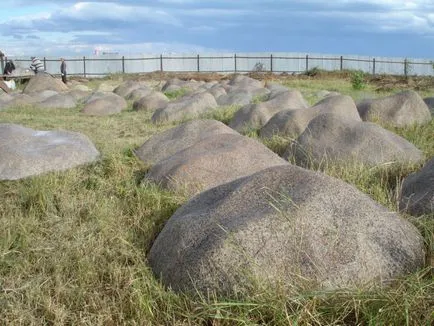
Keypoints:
pixel 102 104
pixel 211 162
pixel 138 93
pixel 126 88
pixel 417 192
pixel 42 82
pixel 217 91
pixel 239 97
pixel 402 109
pixel 333 138
pixel 294 122
pixel 151 102
pixel 257 115
pixel 429 101
pixel 59 101
pixel 286 227
pixel 18 100
pixel 167 143
pixel 185 107
pixel 26 152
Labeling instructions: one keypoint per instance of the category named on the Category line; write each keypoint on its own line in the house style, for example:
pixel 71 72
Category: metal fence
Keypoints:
pixel 92 66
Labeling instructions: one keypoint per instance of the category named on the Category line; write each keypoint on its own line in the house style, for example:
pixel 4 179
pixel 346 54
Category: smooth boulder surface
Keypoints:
pixel 167 143
pixel 138 93
pixel 283 226
pixel 429 101
pixel 211 162
pixel 126 88
pixel 331 137
pixel 294 122
pixel 43 82
pixel 239 97
pixel 18 100
pixel 186 107
pixel 151 102
pixel 101 104
pixel 402 109
pixel 26 152
pixel 417 191
pixel 217 91
pixel 60 101
pixel 257 115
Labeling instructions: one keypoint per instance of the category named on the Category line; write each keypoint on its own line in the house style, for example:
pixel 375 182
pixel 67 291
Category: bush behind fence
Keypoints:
pixel 92 66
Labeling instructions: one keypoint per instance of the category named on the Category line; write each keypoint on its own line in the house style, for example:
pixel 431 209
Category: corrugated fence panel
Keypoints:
pixel 222 62
pixel 145 63
pixel 181 62
pixel 293 62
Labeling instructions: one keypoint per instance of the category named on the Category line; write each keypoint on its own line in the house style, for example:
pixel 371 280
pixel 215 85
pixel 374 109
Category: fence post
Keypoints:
pixel 45 64
pixel 405 67
pixel 342 63
pixel 84 67
pixel 123 64
pixel 235 62
pixel 161 62
pixel 198 67
pixel 2 63
pixel 271 62
pixel 373 66
pixel 307 63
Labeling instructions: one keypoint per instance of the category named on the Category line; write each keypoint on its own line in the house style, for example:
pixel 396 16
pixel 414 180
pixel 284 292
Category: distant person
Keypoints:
pixel 9 68
pixel 63 69
pixel 36 66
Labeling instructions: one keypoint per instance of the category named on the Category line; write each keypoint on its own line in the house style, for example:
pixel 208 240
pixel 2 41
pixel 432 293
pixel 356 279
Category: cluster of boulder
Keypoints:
pixel 251 216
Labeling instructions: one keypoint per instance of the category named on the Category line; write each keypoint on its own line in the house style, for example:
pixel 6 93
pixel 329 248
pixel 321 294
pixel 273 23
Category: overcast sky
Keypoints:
pixel 397 28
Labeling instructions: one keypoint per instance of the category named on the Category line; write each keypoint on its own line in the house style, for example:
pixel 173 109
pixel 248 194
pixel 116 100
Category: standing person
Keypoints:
pixel 63 69
pixel 37 66
pixel 9 68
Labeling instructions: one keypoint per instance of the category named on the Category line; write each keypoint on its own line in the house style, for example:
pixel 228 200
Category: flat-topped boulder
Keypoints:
pixel 18 100
pixel 334 138
pixel 293 122
pixel 417 191
pixel 402 109
pixel 238 97
pixel 101 104
pixel 25 152
pixel 151 102
pixel 286 227
pixel 59 101
pixel 185 107
pixel 217 91
pixel 257 115
pixel 211 162
pixel 127 87
pixel 44 81
pixel 138 93
pixel 167 143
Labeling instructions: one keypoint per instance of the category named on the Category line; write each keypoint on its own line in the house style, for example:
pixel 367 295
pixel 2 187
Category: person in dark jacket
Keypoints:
pixel 63 69
pixel 9 68
pixel 37 66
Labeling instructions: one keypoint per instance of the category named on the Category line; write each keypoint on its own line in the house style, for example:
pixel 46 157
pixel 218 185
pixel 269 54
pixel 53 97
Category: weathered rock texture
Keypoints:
pixel 211 162
pixel 167 143
pixel 283 226
pixel 417 192
pixel 402 109
pixel 26 152
pixel 333 138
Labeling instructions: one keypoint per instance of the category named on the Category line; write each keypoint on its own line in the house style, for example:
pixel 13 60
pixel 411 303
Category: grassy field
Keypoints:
pixel 73 244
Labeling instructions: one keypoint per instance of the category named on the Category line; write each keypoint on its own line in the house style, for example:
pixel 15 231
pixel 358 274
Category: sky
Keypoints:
pixel 388 28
